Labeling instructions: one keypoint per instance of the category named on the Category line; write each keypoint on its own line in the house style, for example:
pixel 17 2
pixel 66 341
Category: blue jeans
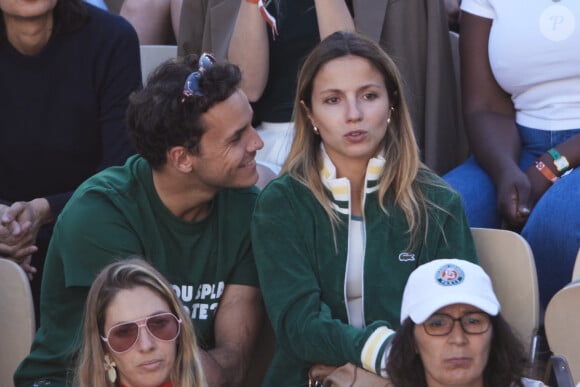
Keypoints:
pixel 553 228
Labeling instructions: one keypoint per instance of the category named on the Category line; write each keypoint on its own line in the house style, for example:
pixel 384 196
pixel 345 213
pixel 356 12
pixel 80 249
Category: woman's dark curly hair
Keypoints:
pixel 160 117
pixel 504 368
pixel 69 16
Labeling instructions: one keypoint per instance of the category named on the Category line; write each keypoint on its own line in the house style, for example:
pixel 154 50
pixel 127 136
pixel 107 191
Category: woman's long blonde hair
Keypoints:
pixel 128 274
pixel 401 176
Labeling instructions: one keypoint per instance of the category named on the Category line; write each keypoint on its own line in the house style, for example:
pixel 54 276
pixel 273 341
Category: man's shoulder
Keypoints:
pixel 286 189
pixel 238 197
pixel 117 178
pixel 234 207
pixel 116 186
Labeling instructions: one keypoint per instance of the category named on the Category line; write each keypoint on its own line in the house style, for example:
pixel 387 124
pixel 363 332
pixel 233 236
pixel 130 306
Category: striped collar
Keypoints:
pixel 166 384
pixel 340 186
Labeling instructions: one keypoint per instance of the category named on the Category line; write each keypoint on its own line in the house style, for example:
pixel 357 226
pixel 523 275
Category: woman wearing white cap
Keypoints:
pixel 452 333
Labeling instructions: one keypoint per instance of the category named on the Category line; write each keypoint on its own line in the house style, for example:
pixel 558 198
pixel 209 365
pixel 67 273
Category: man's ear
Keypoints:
pixel 179 158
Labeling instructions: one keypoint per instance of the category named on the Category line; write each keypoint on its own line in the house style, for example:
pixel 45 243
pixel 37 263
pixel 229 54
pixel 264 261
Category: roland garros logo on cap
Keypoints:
pixel 449 275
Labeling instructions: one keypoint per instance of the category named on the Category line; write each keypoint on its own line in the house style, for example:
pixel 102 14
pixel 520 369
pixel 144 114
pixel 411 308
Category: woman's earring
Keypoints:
pixel 391 111
pixel 110 369
pixel 315 130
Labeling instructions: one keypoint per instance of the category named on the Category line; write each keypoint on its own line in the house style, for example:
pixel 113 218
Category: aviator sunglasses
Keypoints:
pixel 191 86
pixel 163 327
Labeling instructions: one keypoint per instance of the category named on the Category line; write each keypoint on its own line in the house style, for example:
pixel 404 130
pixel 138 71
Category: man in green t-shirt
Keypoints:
pixel 184 203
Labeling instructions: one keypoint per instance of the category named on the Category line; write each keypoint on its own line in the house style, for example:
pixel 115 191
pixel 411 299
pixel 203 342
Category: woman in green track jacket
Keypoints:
pixel 353 213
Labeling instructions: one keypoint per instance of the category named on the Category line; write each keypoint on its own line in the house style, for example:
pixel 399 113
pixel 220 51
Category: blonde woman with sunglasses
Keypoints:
pixel 136 333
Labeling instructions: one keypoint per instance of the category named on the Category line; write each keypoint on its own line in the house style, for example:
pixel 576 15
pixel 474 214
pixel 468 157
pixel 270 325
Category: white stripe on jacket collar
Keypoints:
pixel 340 187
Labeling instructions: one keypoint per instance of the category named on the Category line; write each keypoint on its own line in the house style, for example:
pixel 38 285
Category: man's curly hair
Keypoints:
pixel 160 117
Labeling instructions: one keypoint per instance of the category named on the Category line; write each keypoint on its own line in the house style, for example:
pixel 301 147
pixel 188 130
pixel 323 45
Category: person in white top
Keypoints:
pixel 156 21
pixel 520 67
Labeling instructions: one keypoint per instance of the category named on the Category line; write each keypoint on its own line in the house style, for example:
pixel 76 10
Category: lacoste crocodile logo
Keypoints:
pixel 406 257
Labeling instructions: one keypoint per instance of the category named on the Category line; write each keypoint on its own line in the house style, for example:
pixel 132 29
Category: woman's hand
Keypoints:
pixel 539 183
pixel 16 242
pixel 319 372
pixel 514 198
pixel 19 226
pixel 453 10
pixel 28 268
pixel 348 375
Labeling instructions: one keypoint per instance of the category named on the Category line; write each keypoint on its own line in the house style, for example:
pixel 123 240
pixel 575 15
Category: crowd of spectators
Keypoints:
pixel 289 170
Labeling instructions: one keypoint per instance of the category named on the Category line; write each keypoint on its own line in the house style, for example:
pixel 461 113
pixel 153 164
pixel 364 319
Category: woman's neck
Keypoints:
pixel 356 178
pixel 29 35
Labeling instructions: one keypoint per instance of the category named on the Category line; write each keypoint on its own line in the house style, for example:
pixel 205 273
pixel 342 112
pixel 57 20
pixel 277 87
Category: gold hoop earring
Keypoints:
pixel 316 130
pixel 110 369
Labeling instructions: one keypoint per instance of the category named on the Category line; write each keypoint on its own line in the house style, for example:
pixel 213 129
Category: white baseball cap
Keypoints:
pixel 444 282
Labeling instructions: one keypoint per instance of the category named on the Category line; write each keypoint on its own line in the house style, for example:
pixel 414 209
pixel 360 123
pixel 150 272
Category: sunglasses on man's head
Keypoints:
pixel 191 86
pixel 122 337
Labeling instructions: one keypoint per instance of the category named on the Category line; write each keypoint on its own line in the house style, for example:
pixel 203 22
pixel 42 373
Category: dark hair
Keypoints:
pixel 159 117
pixel 69 16
pixel 505 365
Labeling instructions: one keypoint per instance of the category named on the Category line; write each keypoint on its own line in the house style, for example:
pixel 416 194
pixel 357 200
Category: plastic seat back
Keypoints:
pixel 17 323
pixel 576 272
pixel 562 324
pixel 153 55
pixel 508 259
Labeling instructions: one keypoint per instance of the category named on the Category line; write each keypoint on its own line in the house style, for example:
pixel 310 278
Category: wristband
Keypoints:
pixel 268 18
pixel 560 162
pixel 540 166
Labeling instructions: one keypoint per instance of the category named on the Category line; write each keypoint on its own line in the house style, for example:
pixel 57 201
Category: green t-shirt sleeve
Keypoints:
pixel 245 271
pixel 92 233
pixel 89 234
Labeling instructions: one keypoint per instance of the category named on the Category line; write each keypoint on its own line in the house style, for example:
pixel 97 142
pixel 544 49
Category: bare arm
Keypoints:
pixel 237 323
pixel 151 19
pixel 490 121
pixel 332 16
pixel 175 10
pixel 453 10
pixel 569 149
pixel 249 49
pixel 249 46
